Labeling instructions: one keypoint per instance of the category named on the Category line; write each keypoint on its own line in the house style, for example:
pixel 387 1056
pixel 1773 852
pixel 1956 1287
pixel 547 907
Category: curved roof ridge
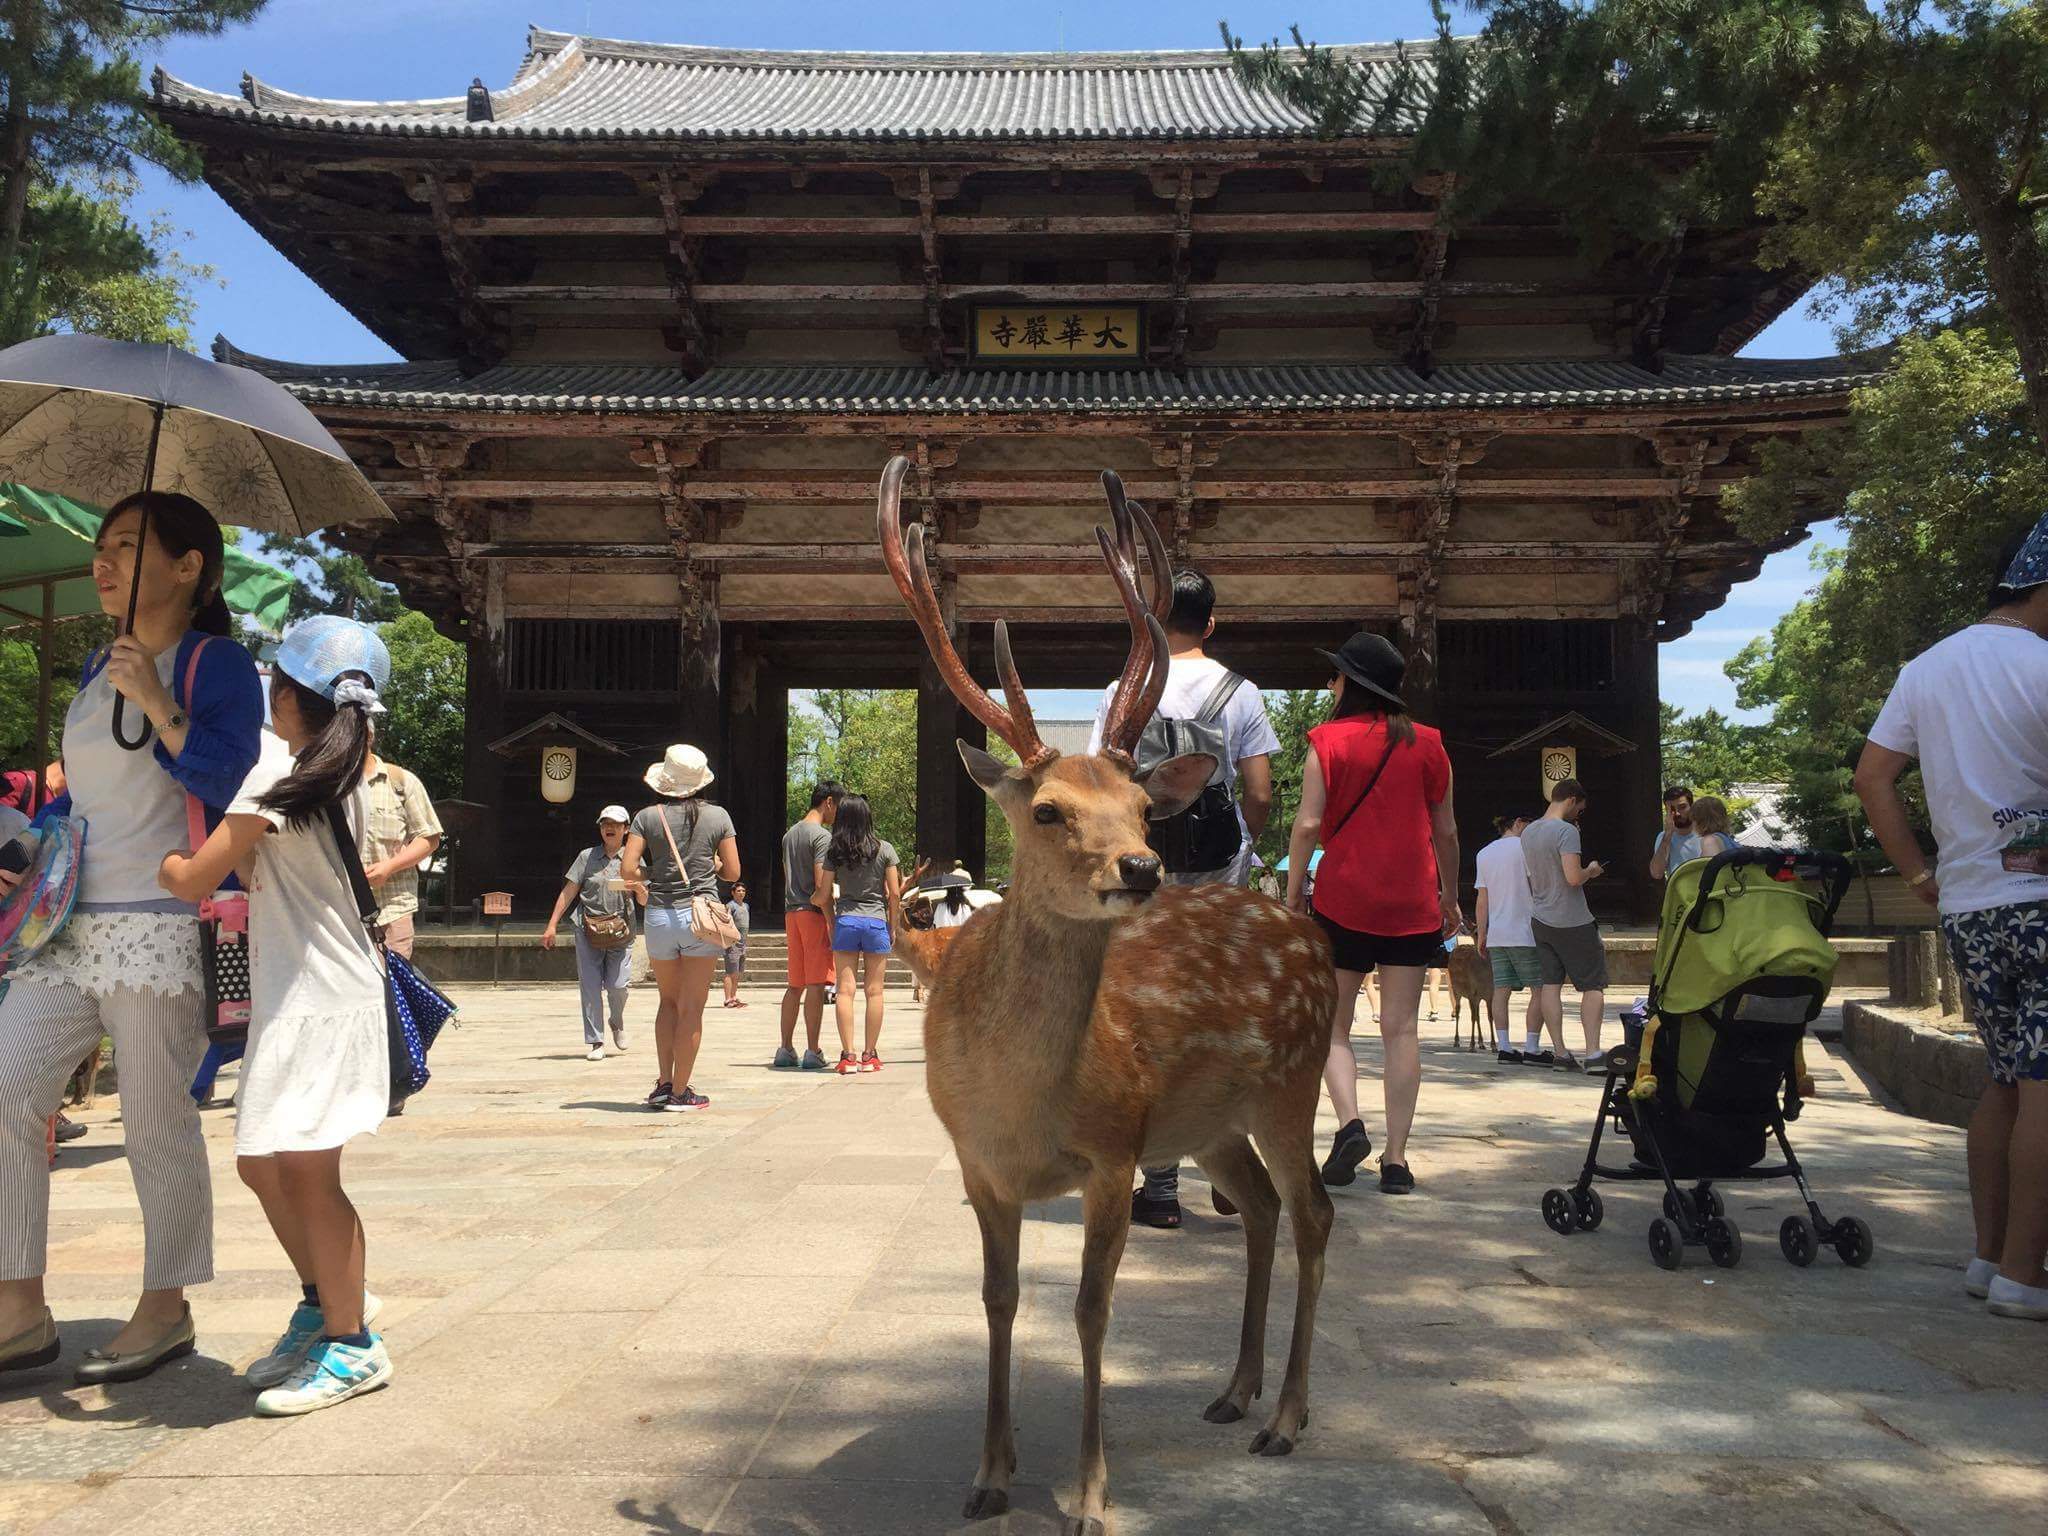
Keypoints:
pixel 543 41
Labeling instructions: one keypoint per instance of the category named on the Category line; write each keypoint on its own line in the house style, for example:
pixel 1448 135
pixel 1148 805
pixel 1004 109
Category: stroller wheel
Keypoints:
pixel 1708 1202
pixel 1667 1247
pixel 1853 1242
pixel 1587 1209
pixel 1798 1241
pixel 1557 1212
pixel 1680 1210
pixel 1724 1243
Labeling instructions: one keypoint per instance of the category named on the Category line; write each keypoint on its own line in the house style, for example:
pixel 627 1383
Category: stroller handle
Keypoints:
pixel 1832 868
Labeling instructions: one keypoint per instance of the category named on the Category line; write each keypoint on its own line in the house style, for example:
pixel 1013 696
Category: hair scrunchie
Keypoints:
pixel 354 691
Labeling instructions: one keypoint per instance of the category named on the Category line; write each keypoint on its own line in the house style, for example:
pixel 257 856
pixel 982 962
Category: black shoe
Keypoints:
pixel 663 1092
pixel 1544 1059
pixel 68 1129
pixel 1351 1148
pixel 1161 1211
pixel 1509 1058
pixel 1395 1179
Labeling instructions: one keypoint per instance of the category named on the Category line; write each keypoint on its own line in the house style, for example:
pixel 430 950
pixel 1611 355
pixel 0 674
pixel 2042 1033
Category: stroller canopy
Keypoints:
pixel 1750 924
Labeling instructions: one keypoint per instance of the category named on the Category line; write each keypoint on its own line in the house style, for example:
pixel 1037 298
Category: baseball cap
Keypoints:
pixel 615 813
pixel 317 653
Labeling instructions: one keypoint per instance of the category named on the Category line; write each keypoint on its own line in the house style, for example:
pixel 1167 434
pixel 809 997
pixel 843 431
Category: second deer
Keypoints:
pixel 1096 1022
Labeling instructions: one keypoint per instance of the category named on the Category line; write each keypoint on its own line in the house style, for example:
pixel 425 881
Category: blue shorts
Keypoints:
pixel 670 936
pixel 860 936
pixel 1998 955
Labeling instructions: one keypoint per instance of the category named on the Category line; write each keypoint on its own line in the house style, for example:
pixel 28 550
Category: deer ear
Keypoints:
pixel 986 771
pixel 1174 784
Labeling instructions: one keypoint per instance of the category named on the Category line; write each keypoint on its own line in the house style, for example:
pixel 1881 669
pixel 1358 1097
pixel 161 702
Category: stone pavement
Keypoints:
pixel 765 1318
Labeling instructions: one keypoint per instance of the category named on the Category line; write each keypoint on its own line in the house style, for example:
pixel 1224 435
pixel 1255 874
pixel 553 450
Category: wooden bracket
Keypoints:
pixel 479 330
pixel 1431 257
pixel 1647 347
pixel 690 329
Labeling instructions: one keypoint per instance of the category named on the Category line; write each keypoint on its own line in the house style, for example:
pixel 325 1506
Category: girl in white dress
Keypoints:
pixel 316 1073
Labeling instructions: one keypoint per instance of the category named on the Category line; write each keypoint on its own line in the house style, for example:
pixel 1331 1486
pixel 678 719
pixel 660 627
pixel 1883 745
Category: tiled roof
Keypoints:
pixel 842 389
pixel 572 87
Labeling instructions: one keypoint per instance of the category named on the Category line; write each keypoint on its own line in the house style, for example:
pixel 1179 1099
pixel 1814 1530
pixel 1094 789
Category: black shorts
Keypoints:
pixel 1354 951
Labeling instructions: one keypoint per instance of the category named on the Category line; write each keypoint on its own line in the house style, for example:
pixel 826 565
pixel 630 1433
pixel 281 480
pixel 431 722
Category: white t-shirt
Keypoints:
pixel 1974 710
pixel 1189 681
pixel 1504 876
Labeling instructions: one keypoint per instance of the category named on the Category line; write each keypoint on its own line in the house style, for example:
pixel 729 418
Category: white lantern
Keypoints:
pixel 1558 764
pixel 558 775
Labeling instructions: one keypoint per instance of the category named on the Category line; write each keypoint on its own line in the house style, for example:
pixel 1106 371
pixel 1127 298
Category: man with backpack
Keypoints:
pixel 1206 708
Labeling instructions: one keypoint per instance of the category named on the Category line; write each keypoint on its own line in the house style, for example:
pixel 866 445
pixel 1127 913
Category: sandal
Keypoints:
pixel 1150 1211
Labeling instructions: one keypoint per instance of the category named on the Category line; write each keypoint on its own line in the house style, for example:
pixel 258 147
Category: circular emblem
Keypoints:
pixel 1557 765
pixel 558 765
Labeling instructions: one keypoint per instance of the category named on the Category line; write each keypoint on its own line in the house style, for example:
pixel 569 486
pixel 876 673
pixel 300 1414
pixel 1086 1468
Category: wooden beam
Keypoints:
pixel 1432 255
pixel 1183 263
pixel 1040 293
pixel 693 332
pixel 1648 344
pixel 478 329
pixel 934 275
pixel 570 224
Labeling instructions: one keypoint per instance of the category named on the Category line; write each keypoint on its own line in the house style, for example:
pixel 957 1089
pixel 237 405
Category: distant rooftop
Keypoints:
pixel 572 87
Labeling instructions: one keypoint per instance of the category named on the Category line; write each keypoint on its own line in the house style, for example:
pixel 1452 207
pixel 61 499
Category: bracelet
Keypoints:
pixel 1920 879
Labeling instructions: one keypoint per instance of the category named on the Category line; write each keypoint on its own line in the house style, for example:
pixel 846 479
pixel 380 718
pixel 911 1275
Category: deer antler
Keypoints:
pixel 1143 682
pixel 903 553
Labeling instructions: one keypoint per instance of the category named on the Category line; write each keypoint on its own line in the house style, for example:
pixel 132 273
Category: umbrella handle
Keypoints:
pixel 156 427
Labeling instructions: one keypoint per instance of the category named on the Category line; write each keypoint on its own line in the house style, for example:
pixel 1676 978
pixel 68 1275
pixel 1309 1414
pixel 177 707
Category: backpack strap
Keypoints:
pixel 1219 698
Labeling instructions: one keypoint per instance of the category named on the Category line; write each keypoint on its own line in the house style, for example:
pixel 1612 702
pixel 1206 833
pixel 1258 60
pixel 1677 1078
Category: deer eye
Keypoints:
pixel 1045 815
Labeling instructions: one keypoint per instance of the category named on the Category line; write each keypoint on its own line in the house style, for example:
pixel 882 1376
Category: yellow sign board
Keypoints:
pixel 1057 336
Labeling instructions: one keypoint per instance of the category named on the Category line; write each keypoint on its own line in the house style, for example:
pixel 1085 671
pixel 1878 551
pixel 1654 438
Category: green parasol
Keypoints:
pixel 47 539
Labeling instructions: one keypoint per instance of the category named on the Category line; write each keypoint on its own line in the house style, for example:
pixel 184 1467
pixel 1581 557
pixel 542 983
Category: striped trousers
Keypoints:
pixel 45 1031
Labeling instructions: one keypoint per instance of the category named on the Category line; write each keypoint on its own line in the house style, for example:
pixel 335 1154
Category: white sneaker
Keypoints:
pixel 595 1053
pixel 1978 1276
pixel 300 1335
pixel 618 1042
pixel 331 1373
pixel 2008 1298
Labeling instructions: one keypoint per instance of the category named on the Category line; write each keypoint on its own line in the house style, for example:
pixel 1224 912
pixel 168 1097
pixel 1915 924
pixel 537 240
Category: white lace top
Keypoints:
pixel 99 951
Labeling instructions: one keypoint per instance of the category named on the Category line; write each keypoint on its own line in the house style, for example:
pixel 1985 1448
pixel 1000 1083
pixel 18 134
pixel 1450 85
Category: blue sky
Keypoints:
pixel 408 48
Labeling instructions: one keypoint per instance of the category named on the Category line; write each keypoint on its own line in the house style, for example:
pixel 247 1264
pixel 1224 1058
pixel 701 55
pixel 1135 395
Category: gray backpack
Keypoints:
pixel 1206 836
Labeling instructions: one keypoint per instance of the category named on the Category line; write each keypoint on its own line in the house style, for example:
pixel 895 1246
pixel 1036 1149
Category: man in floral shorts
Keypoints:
pixel 1973 709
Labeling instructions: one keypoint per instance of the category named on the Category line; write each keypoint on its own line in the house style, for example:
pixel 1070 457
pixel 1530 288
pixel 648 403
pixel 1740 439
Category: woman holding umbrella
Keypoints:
pixel 128 962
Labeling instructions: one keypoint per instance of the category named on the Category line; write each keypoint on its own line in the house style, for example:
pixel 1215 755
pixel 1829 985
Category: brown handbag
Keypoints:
pixel 708 920
pixel 608 930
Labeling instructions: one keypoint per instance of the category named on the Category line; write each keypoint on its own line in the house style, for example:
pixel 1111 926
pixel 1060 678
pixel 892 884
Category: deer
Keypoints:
pixel 1099 1020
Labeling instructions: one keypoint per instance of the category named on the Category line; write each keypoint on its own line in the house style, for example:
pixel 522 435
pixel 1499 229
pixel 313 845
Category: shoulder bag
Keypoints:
pixel 608 930
pixel 223 916
pixel 1329 834
pixel 414 1008
pixel 709 921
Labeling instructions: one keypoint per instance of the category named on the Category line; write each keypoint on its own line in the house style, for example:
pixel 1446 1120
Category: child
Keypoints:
pixel 316 1073
pixel 736 954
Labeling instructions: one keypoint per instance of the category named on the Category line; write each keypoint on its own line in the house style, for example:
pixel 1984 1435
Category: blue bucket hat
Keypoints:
pixel 319 653
pixel 2029 567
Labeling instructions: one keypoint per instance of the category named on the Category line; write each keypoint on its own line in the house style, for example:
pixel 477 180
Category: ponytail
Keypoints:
pixel 211 616
pixel 332 764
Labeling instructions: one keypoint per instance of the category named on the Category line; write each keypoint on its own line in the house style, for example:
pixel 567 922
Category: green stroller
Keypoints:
pixel 1715 1067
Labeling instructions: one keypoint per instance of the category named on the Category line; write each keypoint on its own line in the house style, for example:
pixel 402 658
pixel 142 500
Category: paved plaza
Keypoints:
pixel 765 1318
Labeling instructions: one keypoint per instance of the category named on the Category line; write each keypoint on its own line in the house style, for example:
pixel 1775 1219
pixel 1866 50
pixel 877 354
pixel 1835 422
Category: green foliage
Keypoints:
pixel 1707 752
pixel 423 729
pixel 332 581
pixel 1293 712
pixel 1937 469
pixel 75 120
pixel 867 739
pixel 75 641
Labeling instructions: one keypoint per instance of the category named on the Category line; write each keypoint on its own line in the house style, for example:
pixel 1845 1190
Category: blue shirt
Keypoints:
pixel 1685 847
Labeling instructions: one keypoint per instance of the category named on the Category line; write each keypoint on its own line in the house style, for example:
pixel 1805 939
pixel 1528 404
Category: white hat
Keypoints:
pixel 682 771
pixel 615 813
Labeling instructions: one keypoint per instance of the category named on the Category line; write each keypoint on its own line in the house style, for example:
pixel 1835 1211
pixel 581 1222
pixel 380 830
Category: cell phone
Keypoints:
pixel 14 856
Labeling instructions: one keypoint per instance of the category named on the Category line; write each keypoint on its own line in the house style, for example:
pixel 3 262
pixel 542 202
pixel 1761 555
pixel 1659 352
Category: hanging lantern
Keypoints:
pixel 1559 763
pixel 558 775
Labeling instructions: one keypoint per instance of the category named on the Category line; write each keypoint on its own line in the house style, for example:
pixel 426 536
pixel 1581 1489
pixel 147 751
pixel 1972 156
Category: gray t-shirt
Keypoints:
pixel 592 874
pixel 666 886
pixel 862 890
pixel 742 919
pixel 803 850
pixel 1552 899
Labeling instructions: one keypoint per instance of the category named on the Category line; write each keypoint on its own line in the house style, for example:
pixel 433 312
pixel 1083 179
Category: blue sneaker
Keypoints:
pixel 331 1373
pixel 300 1335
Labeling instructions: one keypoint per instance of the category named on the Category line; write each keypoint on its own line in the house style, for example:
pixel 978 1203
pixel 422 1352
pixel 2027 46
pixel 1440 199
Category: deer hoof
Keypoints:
pixel 987 1503
pixel 1222 1411
pixel 1270 1444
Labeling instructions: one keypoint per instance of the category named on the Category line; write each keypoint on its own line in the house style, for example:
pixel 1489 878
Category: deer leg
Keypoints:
pixel 1106 1214
pixel 1235 1169
pixel 1289 1147
pixel 1000 1222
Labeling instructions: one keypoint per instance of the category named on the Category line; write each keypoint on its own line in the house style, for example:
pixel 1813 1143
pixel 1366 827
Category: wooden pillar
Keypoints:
pixel 752 776
pixel 943 787
pixel 48 639
pixel 700 710
pixel 1635 819
pixel 483 771
pixel 970 835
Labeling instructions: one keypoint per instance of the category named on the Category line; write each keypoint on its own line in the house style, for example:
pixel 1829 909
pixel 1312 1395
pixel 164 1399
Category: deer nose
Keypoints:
pixel 1140 871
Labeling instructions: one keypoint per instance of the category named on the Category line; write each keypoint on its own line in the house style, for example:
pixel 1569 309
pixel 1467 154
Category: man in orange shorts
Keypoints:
pixel 810 936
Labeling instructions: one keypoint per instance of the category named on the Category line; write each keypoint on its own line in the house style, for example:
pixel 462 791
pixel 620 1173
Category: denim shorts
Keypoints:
pixel 860 936
pixel 670 936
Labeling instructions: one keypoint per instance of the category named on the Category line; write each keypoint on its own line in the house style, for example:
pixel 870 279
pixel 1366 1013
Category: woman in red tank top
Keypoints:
pixel 1376 794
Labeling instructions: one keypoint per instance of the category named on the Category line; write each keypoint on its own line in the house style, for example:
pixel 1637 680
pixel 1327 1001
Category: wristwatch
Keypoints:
pixel 177 722
pixel 1916 881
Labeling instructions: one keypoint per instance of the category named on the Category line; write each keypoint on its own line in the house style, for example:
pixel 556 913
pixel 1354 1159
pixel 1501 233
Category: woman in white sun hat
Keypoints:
pixel 674 855
pixel 600 909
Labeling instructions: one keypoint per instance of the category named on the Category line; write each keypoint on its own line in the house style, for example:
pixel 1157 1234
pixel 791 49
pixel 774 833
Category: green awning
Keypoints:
pixel 48 539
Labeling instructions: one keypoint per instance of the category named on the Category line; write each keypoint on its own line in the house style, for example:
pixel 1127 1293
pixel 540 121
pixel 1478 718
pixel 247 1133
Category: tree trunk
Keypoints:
pixel 14 173
pixel 2013 260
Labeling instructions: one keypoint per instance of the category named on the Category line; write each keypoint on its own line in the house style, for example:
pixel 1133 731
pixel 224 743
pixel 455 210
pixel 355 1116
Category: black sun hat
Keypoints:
pixel 1370 661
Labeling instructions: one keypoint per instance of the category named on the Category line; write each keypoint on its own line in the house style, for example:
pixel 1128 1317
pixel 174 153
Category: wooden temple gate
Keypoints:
pixel 666 311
